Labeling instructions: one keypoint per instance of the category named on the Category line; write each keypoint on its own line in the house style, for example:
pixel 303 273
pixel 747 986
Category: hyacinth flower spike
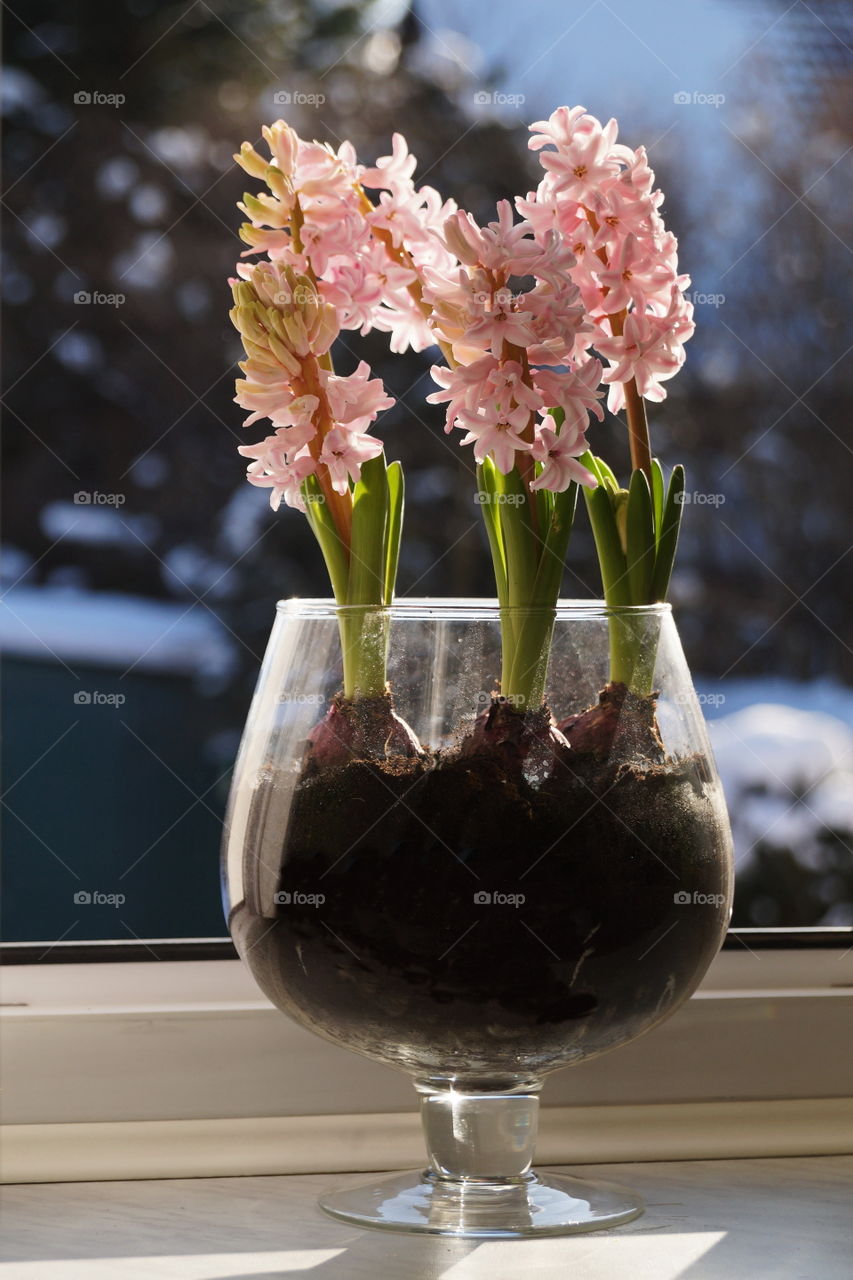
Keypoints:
pixel 318 276
pixel 601 193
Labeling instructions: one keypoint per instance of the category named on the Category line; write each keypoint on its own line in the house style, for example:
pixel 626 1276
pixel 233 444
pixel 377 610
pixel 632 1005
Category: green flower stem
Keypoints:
pixel 364 642
pixel 363 575
pixel 636 533
pixel 633 651
pixel 528 553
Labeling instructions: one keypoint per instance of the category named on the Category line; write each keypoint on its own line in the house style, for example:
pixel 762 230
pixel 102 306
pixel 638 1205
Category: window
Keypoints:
pixel 140 571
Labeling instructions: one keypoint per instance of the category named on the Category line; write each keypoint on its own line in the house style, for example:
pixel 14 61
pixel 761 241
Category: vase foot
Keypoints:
pixel 538 1204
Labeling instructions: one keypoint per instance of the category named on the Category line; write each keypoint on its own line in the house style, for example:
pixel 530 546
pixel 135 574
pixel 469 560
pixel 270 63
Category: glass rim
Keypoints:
pixel 464 608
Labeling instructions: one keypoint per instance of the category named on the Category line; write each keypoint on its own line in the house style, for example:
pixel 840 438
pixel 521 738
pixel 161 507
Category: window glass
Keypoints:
pixel 140 571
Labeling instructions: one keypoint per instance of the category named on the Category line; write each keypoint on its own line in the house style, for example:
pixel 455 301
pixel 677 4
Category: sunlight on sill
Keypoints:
pixel 196 1266
pixel 642 1254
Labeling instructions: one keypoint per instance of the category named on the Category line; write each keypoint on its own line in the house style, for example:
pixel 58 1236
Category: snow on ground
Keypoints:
pixel 787 772
pixel 102 523
pixel 97 628
pixel 722 697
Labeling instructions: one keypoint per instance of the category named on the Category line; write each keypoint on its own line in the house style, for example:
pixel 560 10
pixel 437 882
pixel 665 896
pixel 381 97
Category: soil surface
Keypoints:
pixel 450 916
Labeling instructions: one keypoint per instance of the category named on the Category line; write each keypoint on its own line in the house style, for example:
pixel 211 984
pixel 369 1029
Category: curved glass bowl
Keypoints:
pixel 490 908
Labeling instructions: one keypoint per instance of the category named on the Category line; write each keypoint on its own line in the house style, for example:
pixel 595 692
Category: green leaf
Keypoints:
pixel 487 489
pixel 605 474
pixel 368 563
pixel 519 540
pixel 640 539
pixel 668 539
pixel 544 500
pixel 396 493
pixel 324 530
pixel 591 463
pixel 658 491
pixel 611 558
pixel 549 575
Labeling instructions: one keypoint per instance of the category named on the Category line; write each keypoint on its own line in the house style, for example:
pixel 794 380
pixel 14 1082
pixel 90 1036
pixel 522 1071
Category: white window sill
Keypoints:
pixel 783 1218
pixel 183 1069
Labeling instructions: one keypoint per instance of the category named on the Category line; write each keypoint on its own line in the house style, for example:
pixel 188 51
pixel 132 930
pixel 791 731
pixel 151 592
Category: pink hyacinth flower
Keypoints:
pixel 645 352
pixel 559 455
pixel 344 452
pixel 495 436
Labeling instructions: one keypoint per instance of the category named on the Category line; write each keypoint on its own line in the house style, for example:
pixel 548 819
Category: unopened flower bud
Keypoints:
pixel 248 159
pixel 265 209
pixel 297 333
pixel 284 355
pixel 619 501
pixel 283 144
pixel 456 241
pixel 254 237
pixel 246 322
pixel 279 185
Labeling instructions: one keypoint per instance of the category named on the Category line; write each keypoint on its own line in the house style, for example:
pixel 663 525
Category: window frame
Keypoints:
pixel 182 1068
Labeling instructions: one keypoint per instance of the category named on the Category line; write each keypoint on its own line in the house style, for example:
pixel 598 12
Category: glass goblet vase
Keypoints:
pixel 474 892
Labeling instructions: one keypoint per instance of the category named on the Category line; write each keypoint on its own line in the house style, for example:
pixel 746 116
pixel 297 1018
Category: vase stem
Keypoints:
pixel 479 1136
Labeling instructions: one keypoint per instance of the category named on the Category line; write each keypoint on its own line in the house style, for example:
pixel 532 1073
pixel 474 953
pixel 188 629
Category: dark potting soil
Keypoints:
pixel 447 916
